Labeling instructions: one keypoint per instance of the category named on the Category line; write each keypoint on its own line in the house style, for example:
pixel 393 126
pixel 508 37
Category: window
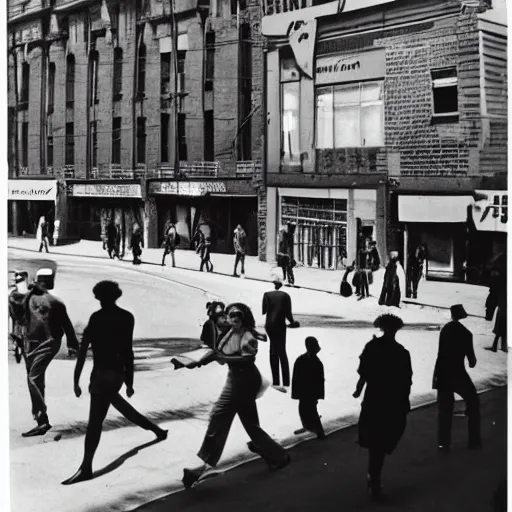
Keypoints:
pixel 290 135
pixel 350 116
pixel 94 61
pixel 164 138
pixel 25 81
pixel 444 92
pixel 24 144
pixel 94 143
pixel 49 151
pixel 118 74
pixel 51 87
pixel 182 137
pixel 116 140
pixel 141 71
pixel 181 79
pixel 210 61
pixel 70 80
pixel 209 136
pixel 165 73
pixel 69 156
pixel 141 140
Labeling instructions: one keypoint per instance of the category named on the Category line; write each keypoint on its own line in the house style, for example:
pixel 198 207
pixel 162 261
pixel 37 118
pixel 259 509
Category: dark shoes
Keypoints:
pixel 82 475
pixel 161 434
pixel 374 489
pixel 190 477
pixel 40 430
pixel 273 466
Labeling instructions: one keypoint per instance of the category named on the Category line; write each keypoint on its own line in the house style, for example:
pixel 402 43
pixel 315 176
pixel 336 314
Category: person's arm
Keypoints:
pixel 129 357
pixel 363 372
pixel 471 351
pixel 69 330
pixel 322 382
pixel 264 306
pixel 288 309
pixel 359 387
pixel 82 355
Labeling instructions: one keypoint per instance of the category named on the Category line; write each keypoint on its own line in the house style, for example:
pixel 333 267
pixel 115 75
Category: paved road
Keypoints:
pixel 330 476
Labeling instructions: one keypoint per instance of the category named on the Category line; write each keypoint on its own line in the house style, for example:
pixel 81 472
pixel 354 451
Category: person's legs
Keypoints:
pixel 366 284
pixel 468 392
pixel 376 458
pixel 237 259
pixel 173 259
pixel 164 255
pixel 309 417
pixel 408 282
pixel 274 360
pixel 283 358
pixel 504 346
pixel 242 260
pixel 131 414
pixel 445 402
pixel 291 276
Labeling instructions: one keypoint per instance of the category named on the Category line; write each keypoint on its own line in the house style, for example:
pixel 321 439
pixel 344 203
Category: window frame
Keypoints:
pixel 115 157
pixel 209 71
pixel 24 144
pixel 51 88
pixel 70 80
pixel 438 84
pixel 182 137
pixel 165 120
pixel 141 71
pixel 69 153
pixel 117 78
pixel 94 62
pixel 141 140
pixel 93 127
pixel 163 64
pixel 49 150
pixel 25 86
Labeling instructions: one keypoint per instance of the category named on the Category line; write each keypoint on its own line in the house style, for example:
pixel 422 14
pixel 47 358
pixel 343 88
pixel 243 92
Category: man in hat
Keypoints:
pixel 277 306
pixel 450 376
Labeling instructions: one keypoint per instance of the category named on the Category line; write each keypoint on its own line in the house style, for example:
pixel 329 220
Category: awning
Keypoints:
pixel 445 209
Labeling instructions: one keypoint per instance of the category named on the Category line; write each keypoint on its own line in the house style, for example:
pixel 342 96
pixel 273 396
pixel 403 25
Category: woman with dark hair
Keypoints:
pixel 238 348
pixel 385 368
pixel 216 325
pixel 110 334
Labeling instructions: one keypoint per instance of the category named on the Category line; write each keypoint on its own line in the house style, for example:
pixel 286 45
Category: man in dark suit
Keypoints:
pixel 450 376
pixel 277 305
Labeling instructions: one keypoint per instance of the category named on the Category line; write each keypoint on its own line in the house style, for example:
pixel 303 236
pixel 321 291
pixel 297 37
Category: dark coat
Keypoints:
pixel 455 344
pixel 308 381
pixel 277 305
pixel 211 334
pixel 390 294
pixel 500 326
pixel 385 365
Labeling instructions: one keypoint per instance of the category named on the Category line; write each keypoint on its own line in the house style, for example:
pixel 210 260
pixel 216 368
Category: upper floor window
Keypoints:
pixel 350 115
pixel 116 140
pixel 69 155
pixel 51 87
pixel 445 96
pixel 210 61
pixel 181 78
pixel 118 74
pixel 165 73
pixel 70 80
pixel 141 71
pixel 94 61
pixel 25 82
pixel 290 112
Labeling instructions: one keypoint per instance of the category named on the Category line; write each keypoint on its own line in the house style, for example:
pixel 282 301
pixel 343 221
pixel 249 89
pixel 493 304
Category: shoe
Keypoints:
pixel 321 436
pixel 374 489
pixel 282 389
pixel 299 431
pixel 40 430
pixel 161 434
pixel 361 297
pixel 235 275
pixel 82 475
pixel 491 349
pixel 191 476
pixel 280 465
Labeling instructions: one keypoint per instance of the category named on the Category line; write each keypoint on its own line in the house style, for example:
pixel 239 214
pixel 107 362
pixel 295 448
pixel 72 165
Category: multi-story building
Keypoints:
pixel 136 112
pixel 387 118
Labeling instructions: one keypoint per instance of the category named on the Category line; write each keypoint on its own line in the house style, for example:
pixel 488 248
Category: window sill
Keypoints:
pixel 445 118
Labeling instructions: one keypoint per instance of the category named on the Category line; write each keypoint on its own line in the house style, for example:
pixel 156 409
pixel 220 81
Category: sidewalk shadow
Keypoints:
pixel 117 463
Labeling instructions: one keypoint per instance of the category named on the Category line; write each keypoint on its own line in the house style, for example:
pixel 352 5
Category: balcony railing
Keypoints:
pixel 188 170
pixel 115 173
pixel 68 172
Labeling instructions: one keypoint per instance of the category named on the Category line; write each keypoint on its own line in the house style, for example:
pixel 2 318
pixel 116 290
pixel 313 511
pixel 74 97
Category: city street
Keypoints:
pixel 169 308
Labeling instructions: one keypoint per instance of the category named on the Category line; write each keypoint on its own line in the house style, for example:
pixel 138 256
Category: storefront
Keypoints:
pixel 92 206
pixel 28 201
pixel 216 207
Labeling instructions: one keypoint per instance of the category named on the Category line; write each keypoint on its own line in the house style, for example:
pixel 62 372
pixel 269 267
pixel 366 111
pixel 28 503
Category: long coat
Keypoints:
pixel 385 365
pixel 390 294
pixel 308 381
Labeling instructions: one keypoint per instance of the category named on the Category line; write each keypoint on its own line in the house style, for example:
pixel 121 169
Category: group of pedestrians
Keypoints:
pixel 114 236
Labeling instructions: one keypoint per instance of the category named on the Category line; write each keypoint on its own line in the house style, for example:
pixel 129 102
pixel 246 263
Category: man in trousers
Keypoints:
pixel 450 376
pixel 277 306
pixel 240 245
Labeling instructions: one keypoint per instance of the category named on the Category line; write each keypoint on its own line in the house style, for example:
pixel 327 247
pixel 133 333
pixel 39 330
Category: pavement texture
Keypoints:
pixel 169 308
pixel 330 476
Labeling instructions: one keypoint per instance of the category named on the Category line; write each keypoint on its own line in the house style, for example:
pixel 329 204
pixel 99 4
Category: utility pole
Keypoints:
pixel 175 96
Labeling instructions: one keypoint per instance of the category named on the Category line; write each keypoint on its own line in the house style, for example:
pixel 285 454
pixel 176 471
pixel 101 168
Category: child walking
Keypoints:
pixel 308 386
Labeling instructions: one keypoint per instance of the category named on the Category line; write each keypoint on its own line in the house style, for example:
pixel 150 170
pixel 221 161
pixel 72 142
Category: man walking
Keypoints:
pixel 240 244
pixel 277 306
pixel 450 376
pixel 171 240
pixel 414 271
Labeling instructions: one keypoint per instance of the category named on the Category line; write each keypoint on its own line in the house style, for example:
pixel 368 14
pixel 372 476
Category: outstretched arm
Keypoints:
pixel 82 355
pixel 289 315
pixel 129 357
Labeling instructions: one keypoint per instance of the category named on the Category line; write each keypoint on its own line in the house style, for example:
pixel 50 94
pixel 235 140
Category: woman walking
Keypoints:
pixel 386 370
pixel 137 242
pixel 43 234
pixel 110 333
pixel 238 348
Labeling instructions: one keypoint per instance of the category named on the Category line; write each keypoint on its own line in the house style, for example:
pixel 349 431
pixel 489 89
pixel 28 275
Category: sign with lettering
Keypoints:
pixel 32 190
pixel 490 211
pixel 94 190
pixel 302 42
pixel 348 68
pixel 187 188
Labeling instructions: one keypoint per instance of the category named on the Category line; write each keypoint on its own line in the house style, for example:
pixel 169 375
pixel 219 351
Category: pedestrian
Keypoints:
pixel 374 256
pixel 364 272
pixel 216 325
pixel 198 238
pixel 415 271
pixel 45 321
pixel 117 241
pixel 238 349
pixel 450 376
pixel 308 386
pixel 277 306
pixel 385 368
pixel 43 234
pixel 110 334
pixel 136 244
pixel 282 252
pixel 16 303
pixel 240 245
pixel 204 250
pixel 171 241
pixel 111 240
pixel 290 235
pixel 391 294
pixel 500 325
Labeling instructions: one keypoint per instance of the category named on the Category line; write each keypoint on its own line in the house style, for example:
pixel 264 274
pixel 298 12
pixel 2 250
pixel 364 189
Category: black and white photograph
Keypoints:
pixel 256 256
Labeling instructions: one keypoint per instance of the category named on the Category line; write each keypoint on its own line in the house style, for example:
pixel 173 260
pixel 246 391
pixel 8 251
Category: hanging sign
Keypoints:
pixel 121 190
pixel 490 211
pixel 32 190
pixel 302 43
pixel 188 188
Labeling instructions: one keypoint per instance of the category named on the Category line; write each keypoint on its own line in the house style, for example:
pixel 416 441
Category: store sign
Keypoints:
pixel 490 211
pixel 32 190
pixel 302 43
pixel 122 190
pixel 348 68
pixel 188 188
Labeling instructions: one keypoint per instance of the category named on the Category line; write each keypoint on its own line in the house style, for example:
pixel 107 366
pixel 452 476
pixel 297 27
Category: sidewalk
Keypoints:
pixel 431 293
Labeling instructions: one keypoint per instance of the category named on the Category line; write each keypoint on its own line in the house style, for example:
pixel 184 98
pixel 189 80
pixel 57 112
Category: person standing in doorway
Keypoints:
pixel 43 234
pixel 171 241
pixel 450 376
pixel 136 244
pixel 277 306
pixel 374 256
pixel 415 271
pixel 240 245
pixel 110 333
pixel 308 386
pixel 385 368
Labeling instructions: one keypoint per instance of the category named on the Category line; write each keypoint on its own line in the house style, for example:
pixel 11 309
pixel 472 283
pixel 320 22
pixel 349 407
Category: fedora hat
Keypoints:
pixel 458 312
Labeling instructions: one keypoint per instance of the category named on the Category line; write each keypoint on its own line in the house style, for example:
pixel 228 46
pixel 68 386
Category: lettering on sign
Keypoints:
pixel 88 190
pixel 188 188
pixel 491 211
pixel 32 190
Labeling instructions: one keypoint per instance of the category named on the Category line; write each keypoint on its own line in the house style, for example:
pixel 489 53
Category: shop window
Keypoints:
pixel 70 80
pixel 350 116
pixel 94 61
pixel 24 144
pixel 141 140
pixel 210 61
pixel 165 73
pixel 51 87
pixel 69 156
pixel 164 137
pixel 290 121
pixel 141 71
pixel 118 74
pixel 445 92
pixel 25 83
pixel 182 137
pixel 94 143
pixel 49 151
pixel 116 140
pixel 209 136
